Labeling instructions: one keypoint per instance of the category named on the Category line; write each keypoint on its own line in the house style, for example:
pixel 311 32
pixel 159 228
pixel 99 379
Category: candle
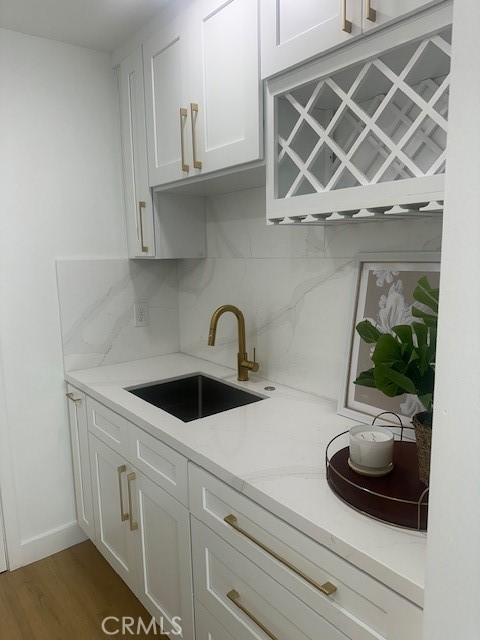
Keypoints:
pixel 371 449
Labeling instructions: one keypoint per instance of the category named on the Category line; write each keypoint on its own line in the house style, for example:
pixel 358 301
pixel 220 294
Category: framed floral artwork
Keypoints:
pixel 383 294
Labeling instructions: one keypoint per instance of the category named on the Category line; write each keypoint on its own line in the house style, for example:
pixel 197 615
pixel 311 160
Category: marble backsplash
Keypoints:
pixel 295 285
pixel 96 299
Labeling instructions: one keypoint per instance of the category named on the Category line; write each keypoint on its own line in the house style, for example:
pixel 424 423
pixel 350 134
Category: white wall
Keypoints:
pixel 295 285
pixel 60 186
pixel 453 554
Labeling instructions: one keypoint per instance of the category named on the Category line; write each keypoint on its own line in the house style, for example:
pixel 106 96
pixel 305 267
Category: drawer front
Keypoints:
pixel 159 462
pixel 247 601
pixel 108 426
pixel 207 627
pixel 361 606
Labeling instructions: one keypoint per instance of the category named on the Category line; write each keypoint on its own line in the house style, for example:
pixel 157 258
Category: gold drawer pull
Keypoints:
pixel 327 588
pixel 183 117
pixel 71 396
pixel 130 478
pixel 234 596
pixel 121 469
pixel 193 116
pixel 346 24
pixel 370 12
pixel 141 206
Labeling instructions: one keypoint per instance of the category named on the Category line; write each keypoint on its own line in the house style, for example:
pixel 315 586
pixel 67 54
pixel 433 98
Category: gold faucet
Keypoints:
pixel 244 365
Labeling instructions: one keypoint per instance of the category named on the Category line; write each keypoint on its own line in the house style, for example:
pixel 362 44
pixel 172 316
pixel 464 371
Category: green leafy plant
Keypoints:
pixel 404 360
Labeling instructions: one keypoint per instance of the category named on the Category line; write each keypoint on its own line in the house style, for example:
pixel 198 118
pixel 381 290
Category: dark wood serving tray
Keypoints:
pixel 394 498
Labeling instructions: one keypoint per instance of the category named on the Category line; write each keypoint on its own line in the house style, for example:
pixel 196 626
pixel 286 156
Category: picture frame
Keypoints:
pixel 383 290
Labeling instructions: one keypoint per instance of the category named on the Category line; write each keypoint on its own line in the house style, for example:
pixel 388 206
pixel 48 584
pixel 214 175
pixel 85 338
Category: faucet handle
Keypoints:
pixel 254 354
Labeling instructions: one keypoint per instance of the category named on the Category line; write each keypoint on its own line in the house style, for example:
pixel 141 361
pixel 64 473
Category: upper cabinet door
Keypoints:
pixel 164 56
pixel 138 200
pixel 376 13
pixel 294 31
pixel 224 90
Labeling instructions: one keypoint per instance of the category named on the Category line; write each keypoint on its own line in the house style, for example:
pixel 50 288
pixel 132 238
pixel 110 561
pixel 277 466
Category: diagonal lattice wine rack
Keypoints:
pixel 376 122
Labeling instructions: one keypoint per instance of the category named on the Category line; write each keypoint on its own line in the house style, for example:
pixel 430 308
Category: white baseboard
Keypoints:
pixel 50 542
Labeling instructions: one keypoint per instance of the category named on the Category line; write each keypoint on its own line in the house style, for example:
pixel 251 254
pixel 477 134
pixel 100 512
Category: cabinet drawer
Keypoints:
pixel 108 426
pixel 361 607
pixel 207 627
pixel 159 462
pixel 245 599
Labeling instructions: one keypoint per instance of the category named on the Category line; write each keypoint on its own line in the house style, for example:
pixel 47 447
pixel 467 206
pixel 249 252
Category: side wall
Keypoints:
pixel 60 185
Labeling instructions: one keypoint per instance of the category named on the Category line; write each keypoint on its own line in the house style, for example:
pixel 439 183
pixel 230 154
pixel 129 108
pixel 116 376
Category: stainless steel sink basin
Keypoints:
pixel 195 396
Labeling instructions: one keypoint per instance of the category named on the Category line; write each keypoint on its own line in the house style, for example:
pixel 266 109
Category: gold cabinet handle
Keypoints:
pixel 130 478
pixel 234 597
pixel 183 118
pixel 370 12
pixel 141 206
pixel 346 24
pixel 327 588
pixel 194 115
pixel 71 396
pixel 121 469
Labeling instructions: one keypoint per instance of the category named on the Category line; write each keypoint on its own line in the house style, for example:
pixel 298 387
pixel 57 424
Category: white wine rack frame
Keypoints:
pixel 362 139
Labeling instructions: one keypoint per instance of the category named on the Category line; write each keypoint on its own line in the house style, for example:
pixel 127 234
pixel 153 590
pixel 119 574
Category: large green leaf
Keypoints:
pixel 365 379
pixel 387 350
pixel 394 380
pixel 428 318
pixel 368 332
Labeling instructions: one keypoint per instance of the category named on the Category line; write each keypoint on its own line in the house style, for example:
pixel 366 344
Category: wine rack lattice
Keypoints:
pixel 379 121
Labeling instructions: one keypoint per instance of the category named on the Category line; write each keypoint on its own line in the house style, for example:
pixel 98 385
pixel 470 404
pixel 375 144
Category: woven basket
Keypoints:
pixel 423 433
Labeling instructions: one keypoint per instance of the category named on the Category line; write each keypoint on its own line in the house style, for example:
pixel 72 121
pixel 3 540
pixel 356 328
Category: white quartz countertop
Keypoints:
pixel 272 451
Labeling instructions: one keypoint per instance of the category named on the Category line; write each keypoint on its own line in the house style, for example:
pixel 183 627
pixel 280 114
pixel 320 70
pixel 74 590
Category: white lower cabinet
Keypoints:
pixel 207 627
pixel 112 514
pixel 163 552
pixel 77 413
pixel 144 534
pixel 246 600
pixel 178 535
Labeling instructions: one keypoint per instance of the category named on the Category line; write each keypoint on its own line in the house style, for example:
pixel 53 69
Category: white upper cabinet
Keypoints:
pixel 294 31
pixel 203 92
pixel 138 200
pixel 379 12
pixel 224 90
pixel 165 65
pixel 362 130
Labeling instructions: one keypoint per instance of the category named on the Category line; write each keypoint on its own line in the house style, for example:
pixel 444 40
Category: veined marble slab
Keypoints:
pixel 272 451
pixel 96 299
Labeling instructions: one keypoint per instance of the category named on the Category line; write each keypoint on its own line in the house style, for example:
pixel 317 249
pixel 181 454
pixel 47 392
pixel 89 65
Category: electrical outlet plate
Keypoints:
pixel 140 314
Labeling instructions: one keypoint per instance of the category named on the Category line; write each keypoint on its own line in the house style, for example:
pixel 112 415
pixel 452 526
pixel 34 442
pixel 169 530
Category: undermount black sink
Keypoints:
pixel 194 397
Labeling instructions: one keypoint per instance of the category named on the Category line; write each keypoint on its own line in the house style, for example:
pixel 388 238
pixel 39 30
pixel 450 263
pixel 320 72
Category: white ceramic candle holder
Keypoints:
pixel 371 450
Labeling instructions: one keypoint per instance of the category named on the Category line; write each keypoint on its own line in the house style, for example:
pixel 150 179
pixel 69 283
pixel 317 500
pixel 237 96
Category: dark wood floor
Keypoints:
pixel 66 597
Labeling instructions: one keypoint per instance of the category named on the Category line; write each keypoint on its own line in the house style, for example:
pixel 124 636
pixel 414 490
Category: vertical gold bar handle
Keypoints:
pixel 370 12
pixel 234 597
pixel 121 469
pixel 130 478
pixel 346 24
pixel 183 118
pixel 194 115
pixel 141 207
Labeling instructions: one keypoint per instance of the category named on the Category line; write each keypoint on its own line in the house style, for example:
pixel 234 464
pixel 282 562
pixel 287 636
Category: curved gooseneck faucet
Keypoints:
pixel 244 365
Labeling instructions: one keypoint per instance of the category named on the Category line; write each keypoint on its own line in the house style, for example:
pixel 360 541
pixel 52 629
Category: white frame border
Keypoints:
pixel 360 259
